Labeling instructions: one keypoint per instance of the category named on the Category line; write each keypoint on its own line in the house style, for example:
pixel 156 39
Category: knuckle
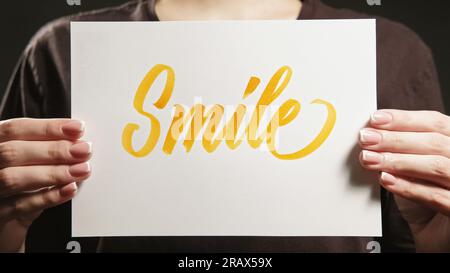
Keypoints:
pixel 404 117
pixel 7 129
pixel 8 181
pixel 58 174
pixel 7 209
pixel 438 143
pixel 441 202
pixel 395 140
pixel 47 199
pixel 440 167
pixel 441 121
pixel 408 191
pixel 8 153
pixel 435 201
pixel 48 129
pixel 52 177
pixel 392 162
pixel 58 150
pixel 19 207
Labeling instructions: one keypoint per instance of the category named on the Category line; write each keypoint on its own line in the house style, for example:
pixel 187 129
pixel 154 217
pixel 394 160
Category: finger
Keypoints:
pixel 411 121
pixel 40 129
pixel 428 167
pixel 24 153
pixel 14 180
pixel 405 142
pixel 32 203
pixel 418 191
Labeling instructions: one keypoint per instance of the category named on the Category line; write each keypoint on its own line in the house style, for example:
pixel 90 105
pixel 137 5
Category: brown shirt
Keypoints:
pixel 406 76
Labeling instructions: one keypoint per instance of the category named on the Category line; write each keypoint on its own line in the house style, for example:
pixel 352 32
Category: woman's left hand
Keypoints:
pixel 411 149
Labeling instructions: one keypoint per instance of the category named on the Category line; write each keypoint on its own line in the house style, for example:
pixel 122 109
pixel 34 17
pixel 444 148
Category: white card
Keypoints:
pixel 292 172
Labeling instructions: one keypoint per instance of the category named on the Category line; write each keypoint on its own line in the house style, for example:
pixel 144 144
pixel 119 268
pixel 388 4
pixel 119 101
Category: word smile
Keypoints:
pixel 196 119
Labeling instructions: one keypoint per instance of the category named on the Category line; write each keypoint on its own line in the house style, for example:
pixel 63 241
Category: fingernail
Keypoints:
pixel 81 169
pixel 69 189
pixel 81 149
pixel 367 136
pixel 371 158
pixel 387 179
pixel 73 127
pixel 380 118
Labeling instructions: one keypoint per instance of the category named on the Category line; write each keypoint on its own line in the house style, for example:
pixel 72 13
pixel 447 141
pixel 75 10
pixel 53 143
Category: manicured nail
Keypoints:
pixel 81 169
pixel 371 158
pixel 367 136
pixel 380 118
pixel 69 189
pixel 81 149
pixel 73 127
pixel 388 179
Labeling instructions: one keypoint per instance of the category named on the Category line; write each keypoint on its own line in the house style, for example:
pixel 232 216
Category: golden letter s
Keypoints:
pixel 139 99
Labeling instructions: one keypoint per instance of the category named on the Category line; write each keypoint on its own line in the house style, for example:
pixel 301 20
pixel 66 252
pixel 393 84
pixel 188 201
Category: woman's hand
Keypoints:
pixel 411 149
pixel 41 160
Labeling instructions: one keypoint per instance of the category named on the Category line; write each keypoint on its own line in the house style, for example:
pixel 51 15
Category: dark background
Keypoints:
pixel 20 19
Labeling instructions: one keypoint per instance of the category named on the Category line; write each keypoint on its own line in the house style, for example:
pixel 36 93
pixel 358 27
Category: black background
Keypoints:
pixel 20 19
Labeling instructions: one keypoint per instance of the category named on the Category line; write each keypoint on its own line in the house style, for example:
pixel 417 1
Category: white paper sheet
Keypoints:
pixel 245 191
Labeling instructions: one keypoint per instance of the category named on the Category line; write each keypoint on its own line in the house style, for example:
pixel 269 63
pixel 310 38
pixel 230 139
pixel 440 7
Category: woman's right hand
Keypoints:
pixel 41 162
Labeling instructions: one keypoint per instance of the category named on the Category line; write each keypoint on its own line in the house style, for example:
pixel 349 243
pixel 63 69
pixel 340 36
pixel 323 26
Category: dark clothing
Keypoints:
pixel 406 78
